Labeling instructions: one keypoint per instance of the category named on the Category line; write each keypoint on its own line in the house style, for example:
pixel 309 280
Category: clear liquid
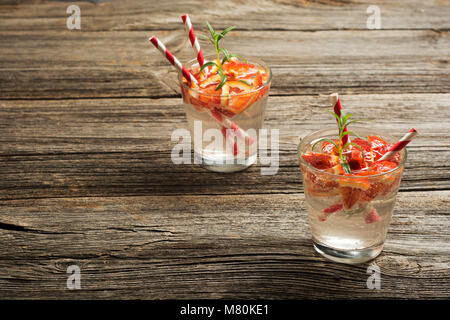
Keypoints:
pixel 221 156
pixel 349 229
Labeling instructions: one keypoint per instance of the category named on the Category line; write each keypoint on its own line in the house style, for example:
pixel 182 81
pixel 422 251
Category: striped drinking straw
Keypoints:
pixel 172 59
pixel 396 148
pixel 193 39
pixel 201 61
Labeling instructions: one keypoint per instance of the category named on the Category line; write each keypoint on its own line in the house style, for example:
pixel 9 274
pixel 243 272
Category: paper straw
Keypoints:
pixel 172 59
pixel 201 60
pixel 334 98
pixel 231 125
pixel 193 39
pixel 396 148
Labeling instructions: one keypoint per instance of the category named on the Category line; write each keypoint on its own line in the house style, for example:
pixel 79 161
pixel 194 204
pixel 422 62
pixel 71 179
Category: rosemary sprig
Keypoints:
pixel 343 122
pixel 215 38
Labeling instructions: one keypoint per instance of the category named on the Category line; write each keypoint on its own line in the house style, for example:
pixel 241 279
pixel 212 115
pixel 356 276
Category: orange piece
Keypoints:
pixel 366 148
pixel 337 169
pixel 239 70
pixel 384 166
pixel 357 183
pixel 330 148
pixel 378 147
pixel 355 159
pixel 320 160
pixel 350 196
pixel 239 102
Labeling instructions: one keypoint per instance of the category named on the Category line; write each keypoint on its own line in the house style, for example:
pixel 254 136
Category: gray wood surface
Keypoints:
pixel 86 176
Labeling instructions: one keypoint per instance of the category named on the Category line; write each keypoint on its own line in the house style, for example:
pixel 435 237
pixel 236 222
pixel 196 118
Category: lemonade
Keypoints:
pixel 349 213
pixel 236 109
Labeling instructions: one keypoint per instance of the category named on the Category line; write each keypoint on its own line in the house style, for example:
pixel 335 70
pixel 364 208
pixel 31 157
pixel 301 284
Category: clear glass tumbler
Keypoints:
pixel 225 137
pixel 349 215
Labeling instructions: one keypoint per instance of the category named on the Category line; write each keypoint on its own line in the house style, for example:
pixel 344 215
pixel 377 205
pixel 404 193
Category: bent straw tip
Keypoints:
pixel 154 40
pixel 334 97
pixel 184 17
pixel 413 130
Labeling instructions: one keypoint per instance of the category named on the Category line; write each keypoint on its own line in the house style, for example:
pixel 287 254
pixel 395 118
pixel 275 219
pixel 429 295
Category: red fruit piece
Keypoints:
pixel 320 160
pixel 378 147
pixel 372 216
pixel 365 146
pixel 318 185
pixel 350 196
pixel 355 159
pixel 383 166
pixel 375 189
pixel 330 210
pixel 337 169
pixel 329 148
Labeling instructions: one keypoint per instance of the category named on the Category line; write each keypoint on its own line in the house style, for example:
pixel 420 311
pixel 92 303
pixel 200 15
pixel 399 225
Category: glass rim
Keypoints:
pixel 400 165
pixel 194 62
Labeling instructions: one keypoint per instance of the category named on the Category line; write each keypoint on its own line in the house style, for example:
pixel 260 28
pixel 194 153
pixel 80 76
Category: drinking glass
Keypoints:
pixel 225 139
pixel 349 215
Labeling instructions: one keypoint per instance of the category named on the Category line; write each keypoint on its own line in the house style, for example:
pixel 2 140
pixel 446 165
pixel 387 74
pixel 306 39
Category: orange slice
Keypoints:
pixel 241 100
pixel 321 160
pixel 358 183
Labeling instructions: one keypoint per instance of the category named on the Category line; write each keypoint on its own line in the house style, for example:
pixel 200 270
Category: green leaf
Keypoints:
pixel 206 38
pixel 336 116
pixel 349 133
pixel 324 140
pixel 245 82
pixel 238 56
pixel 226 54
pixel 345 118
pixel 224 32
pixel 211 30
pixel 224 80
pixel 208 64
pixel 346 166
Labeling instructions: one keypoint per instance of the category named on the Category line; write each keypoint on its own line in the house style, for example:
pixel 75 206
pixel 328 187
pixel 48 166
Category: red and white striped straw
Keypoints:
pixel 193 39
pixel 231 125
pixel 201 60
pixel 172 59
pixel 407 138
pixel 334 98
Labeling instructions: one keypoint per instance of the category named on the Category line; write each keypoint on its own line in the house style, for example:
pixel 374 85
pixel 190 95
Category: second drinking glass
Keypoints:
pixel 225 122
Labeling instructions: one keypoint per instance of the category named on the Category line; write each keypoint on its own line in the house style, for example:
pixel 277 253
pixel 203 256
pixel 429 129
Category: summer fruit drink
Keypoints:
pixel 350 191
pixel 234 90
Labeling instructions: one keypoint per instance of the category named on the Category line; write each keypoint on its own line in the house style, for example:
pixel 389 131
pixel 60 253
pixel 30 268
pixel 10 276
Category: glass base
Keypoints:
pixel 348 256
pixel 220 165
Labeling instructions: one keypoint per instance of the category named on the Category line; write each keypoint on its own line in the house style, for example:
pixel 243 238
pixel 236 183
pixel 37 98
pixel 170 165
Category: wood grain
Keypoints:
pixel 202 247
pixel 86 177
pixel 123 64
pixel 247 15
pixel 122 146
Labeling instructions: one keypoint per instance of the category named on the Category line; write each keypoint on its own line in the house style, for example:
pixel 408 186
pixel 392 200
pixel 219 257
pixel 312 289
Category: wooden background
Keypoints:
pixel 86 176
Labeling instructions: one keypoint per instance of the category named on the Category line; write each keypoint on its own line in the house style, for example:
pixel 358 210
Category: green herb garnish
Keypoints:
pixel 343 122
pixel 215 38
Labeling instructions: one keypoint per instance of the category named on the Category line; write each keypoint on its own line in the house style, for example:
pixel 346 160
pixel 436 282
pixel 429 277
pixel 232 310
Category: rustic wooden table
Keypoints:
pixel 86 118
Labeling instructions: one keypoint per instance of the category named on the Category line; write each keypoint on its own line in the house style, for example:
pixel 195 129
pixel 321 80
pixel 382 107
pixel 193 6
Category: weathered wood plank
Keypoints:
pixel 204 247
pixel 123 64
pixel 248 15
pixel 122 147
